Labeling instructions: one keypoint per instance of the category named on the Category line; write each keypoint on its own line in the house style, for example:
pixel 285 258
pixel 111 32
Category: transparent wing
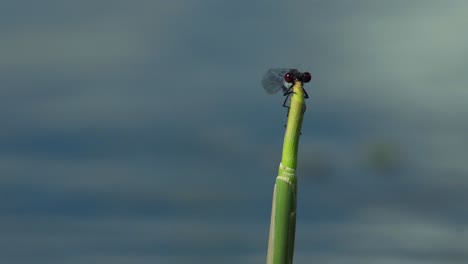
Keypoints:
pixel 273 80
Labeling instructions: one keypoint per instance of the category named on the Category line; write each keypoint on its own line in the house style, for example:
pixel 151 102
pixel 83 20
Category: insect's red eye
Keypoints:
pixel 306 77
pixel 289 77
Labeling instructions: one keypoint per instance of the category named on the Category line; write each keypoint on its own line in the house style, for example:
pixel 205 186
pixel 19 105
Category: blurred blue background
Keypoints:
pixel 138 131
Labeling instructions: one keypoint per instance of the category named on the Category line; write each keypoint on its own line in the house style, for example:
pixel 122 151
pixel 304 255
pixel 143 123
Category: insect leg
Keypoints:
pixel 286 100
pixel 288 91
pixel 285 103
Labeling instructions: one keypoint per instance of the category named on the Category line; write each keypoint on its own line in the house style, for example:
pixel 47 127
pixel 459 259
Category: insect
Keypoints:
pixel 283 79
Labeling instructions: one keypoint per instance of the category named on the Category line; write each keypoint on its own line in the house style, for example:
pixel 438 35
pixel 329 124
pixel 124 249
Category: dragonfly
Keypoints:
pixel 277 79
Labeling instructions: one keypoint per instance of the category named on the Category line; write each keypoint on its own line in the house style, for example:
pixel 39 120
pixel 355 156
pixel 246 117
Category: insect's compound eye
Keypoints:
pixel 306 77
pixel 289 77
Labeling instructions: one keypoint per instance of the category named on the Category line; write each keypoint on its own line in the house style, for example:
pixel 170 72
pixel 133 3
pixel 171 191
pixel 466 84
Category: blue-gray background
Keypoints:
pixel 138 132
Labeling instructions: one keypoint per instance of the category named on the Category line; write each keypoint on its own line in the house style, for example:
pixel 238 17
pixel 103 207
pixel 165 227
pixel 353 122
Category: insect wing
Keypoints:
pixel 273 80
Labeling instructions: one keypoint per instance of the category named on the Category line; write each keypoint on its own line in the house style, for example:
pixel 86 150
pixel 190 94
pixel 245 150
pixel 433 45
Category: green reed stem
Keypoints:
pixel 283 213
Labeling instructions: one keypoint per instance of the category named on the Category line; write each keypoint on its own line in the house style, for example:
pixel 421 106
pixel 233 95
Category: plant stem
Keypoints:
pixel 283 214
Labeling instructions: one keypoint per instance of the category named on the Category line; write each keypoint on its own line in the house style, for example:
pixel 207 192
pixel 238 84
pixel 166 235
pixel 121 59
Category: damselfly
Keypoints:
pixel 283 79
